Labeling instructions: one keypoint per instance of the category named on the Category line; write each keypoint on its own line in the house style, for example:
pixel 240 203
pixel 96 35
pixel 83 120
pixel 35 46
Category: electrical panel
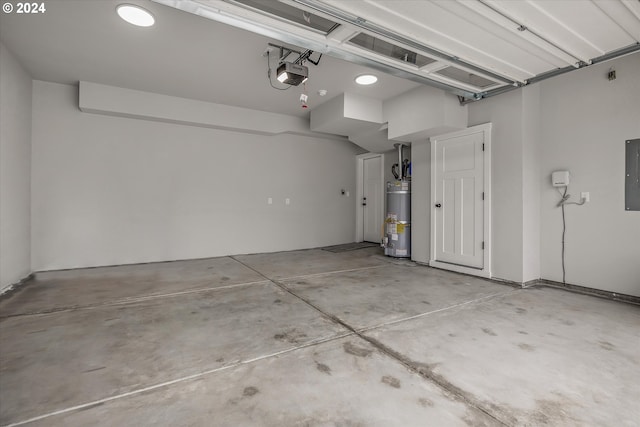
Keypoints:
pixel 632 175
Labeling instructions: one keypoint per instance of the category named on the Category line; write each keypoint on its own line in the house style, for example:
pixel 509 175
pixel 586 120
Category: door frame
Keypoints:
pixel 486 270
pixel 359 184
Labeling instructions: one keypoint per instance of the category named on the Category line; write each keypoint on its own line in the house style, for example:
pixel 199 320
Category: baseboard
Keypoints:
pixel 515 284
pixel 531 283
pixel 615 296
pixel 10 289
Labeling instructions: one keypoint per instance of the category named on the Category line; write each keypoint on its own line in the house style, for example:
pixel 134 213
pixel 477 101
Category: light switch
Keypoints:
pixel 287 201
pixel 270 201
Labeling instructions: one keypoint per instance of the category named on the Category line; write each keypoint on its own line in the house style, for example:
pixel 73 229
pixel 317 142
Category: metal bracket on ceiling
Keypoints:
pixel 284 51
pixel 302 56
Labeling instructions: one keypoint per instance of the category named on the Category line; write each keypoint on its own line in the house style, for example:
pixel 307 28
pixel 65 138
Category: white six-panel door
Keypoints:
pixel 459 197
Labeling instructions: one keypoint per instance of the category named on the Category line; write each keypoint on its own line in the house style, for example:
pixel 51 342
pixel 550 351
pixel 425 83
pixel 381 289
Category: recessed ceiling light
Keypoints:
pixel 135 15
pixel 366 79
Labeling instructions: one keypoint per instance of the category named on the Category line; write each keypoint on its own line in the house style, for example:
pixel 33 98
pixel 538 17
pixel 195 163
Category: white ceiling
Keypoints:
pixel 182 55
pixel 510 42
pixel 472 48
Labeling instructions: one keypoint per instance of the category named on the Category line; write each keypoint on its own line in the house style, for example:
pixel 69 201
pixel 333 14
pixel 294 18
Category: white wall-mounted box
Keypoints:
pixel 560 178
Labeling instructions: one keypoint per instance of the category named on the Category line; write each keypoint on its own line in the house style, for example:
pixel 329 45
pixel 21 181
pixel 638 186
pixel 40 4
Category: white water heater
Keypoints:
pixel 397 224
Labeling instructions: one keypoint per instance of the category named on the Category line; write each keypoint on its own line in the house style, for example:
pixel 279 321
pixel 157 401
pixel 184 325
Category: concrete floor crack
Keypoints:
pixel 98 402
pixel 427 313
pixel 129 300
pixel 419 368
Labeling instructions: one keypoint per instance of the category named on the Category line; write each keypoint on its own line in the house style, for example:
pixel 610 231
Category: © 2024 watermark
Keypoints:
pixel 21 8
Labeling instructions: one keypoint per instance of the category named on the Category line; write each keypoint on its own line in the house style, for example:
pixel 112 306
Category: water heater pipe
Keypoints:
pixel 400 169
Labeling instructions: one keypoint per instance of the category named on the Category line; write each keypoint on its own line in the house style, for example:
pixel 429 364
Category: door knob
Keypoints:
pixel 364 201
pixel 438 205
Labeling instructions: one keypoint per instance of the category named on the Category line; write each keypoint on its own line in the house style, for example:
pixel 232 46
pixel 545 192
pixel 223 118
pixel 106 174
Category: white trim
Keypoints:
pixel 460 268
pixel 359 210
pixel 432 202
pixel 486 270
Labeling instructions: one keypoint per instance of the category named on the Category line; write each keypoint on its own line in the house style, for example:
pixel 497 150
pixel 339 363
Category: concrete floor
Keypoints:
pixel 311 338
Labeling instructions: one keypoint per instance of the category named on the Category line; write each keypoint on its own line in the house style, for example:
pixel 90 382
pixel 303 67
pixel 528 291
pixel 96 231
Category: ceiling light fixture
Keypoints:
pixel 135 15
pixel 366 79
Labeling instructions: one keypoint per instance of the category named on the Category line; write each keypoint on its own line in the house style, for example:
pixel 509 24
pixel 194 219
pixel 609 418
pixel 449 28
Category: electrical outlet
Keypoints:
pixel 287 201
pixel 270 201
pixel 585 196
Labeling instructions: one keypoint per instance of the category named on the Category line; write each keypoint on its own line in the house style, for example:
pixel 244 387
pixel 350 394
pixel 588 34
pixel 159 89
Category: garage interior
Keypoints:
pixel 186 240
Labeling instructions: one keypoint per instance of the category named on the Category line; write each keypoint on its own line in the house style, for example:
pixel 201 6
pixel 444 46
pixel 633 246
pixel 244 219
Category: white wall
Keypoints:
pixel 531 171
pixel 585 121
pixel 423 112
pixel 363 108
pixel 421 201
pixel 578 122
pixel 505 112
pixel 112 190
pixel 15 170
pixel 120 102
